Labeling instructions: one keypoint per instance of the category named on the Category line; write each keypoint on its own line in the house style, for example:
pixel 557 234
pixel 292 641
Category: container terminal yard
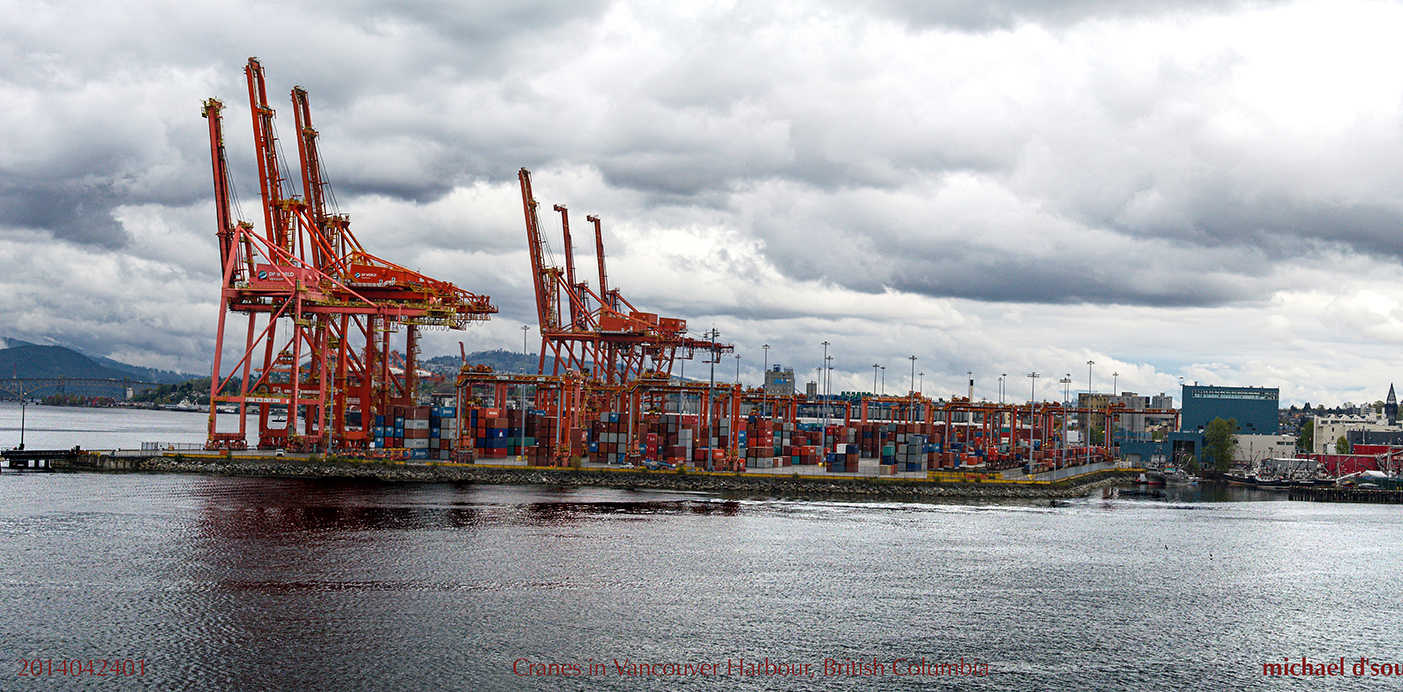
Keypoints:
pixel 318 368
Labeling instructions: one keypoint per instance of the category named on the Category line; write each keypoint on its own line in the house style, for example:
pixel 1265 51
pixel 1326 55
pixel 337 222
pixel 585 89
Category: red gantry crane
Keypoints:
pixel 321 311
pixel 604 336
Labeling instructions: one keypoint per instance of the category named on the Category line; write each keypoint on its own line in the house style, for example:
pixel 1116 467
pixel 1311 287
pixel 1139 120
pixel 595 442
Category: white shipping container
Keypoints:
pixel 416 442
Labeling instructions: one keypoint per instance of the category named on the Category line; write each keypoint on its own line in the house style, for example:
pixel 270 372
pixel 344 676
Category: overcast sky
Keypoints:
pixel 1206 189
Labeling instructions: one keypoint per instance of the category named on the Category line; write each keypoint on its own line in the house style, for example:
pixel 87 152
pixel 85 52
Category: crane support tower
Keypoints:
pixel 316 359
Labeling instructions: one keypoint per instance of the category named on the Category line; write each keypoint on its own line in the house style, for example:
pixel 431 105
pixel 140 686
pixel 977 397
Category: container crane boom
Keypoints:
pixel 576 305
pixel 276 217
pixel 223 192
pixel 547 303
pixel 608 300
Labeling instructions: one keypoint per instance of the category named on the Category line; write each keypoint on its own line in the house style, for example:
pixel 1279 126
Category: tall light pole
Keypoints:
pixel 827 391
pixel 23 404
pixel 521 389
pixel 911 412
pixel 1089 363
pixel 1181 408
pixel 1003 415
pixel 737 368
pixel 705 411
pixel 1115 377
pixel 969 375
pixel 765 384
pixel 823 432
pixel 874 378
pixel 710 383
pixel 1032 394
pixel 884 380
pixel 1066 395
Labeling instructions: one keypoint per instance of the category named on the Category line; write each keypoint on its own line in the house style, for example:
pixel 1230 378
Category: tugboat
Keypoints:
pixel 1178 476
pixel 1150 478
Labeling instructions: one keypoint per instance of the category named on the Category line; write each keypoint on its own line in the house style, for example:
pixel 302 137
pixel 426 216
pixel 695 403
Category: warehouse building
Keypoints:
pixel 1254 408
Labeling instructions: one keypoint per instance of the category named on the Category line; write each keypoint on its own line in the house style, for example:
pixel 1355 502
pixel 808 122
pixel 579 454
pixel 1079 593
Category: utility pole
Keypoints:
pixel 710 383
pixel 1090 363
pixel 823 432
pixel 521 389
pixel 765 384
pixel 1066 395
pixel 1032 394
pixel 912 404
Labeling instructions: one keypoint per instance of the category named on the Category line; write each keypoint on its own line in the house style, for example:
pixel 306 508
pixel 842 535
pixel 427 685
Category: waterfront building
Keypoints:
pixel 1366 427
pixel 779 382
pixel 1136 424
pixel 1392 437
pixel 1254 409
pixel 1254 449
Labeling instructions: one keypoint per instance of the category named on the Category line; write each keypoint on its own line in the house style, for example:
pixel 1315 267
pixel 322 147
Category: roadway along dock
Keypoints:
pixel 930 487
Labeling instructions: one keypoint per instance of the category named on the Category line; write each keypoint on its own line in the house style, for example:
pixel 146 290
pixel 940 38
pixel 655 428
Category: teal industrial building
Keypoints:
pixel 1254 408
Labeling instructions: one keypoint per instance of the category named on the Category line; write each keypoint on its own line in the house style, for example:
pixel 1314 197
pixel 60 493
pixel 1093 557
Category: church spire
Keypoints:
pixel 1391 406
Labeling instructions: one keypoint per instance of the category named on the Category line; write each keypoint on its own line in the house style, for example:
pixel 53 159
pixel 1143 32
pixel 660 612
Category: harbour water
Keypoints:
pixel 62 427
pixel 221 583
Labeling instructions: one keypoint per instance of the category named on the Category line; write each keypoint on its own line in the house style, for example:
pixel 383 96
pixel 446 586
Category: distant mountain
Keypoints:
pixel 30 360
pixel 146 374
pixel 501 361
pixel 44 364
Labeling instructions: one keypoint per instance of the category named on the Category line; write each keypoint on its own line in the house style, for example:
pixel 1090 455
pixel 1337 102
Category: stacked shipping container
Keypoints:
pixel 425 432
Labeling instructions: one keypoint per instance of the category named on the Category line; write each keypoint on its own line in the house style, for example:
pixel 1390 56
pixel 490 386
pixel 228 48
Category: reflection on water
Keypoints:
pixel 262 584
pixel 1198 492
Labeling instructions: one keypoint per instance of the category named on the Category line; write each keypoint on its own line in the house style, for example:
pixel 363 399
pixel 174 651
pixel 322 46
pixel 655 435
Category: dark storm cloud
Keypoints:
pixel 74 212
pixel 1284 228
pixel 72 184
pixel 986 15
pixel 94 80
pixel 958 269
pixel 470 21
pixel 1064 282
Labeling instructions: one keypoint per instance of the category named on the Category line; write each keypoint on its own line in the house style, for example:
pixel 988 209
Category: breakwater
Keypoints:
pixel 722 483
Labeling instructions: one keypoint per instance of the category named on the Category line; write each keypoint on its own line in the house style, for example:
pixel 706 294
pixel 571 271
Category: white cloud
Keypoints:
pixel 1198 188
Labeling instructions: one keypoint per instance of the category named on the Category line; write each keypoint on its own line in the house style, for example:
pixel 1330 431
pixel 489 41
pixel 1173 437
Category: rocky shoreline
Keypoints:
pixel 777 485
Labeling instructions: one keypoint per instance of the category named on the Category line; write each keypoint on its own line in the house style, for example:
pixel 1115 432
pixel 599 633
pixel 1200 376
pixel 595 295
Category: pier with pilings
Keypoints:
pixel 1346 494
